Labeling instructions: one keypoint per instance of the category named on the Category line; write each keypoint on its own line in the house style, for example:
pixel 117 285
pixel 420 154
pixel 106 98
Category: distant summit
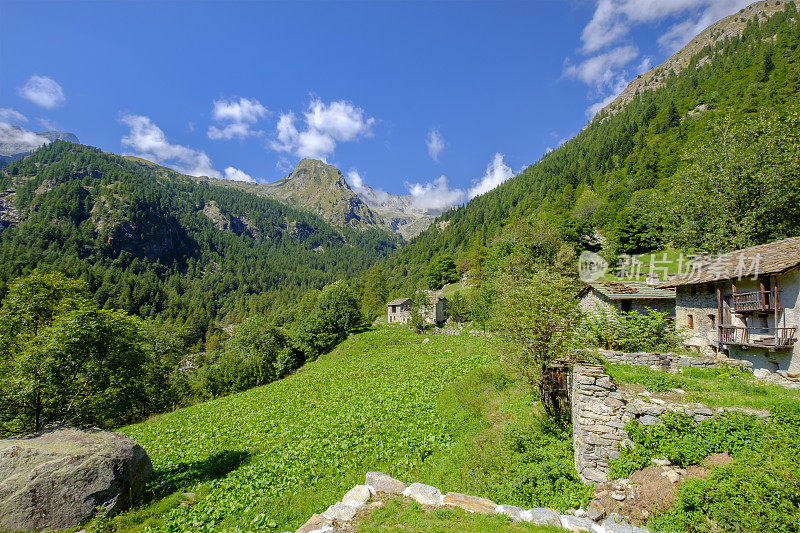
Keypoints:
pixel 320 188
pixel 16 142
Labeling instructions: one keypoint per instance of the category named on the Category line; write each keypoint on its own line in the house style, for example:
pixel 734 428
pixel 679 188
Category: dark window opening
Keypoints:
pixel 625 305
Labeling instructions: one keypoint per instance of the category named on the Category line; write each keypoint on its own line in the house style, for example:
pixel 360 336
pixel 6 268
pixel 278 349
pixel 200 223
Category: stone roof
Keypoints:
pixel 399 301
pixel 763 260
pixel 618 290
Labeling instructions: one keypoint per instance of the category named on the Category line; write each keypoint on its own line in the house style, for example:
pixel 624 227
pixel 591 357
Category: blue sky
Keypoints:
pixel 441 99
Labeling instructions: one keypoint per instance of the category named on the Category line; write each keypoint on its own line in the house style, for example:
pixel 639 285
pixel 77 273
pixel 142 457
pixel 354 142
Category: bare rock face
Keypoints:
pixel 60 476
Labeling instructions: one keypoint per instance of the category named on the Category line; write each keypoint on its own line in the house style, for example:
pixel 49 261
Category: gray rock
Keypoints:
pixel 342 512
pixel 649 420
pixel 383 483
pixel 61 476
pixel 514 513
pixel 316 524
pixel 575 523
pixel 358 494
pixel 424 494
pixel 543 517
pixel 617 524
pixel 595 510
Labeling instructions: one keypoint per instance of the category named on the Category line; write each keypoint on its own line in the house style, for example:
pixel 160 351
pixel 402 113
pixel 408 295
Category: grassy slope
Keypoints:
pixel 274 455
pixel 715 387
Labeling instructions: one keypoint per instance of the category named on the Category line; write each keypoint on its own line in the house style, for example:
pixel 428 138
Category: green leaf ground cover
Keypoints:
pixel 269 457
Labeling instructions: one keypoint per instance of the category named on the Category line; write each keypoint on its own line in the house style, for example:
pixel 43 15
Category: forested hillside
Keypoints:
pixel 707 160
pixel 154 243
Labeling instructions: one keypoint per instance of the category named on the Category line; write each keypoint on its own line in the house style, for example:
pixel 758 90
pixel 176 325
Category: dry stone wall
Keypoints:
pixel 600 412
pixel 377 487
pixel 667 361
pixel 598 421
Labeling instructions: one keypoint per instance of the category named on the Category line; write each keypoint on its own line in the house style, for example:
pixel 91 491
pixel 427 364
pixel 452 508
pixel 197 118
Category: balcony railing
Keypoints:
pixel 753 301
pixel 755 337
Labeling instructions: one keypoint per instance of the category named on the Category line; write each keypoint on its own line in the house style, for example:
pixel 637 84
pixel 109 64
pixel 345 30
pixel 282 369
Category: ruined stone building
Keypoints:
pixel 744 305
pixel 399 310
pixel 627 296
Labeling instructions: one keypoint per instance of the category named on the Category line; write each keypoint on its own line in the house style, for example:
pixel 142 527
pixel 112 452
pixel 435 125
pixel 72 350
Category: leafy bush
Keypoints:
pixel 758 491
pixel 628 331
pixel 682 441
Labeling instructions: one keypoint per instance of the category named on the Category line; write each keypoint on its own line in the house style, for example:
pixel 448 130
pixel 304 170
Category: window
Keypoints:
pixel 713 320
pixel 625 305
pixel 690 321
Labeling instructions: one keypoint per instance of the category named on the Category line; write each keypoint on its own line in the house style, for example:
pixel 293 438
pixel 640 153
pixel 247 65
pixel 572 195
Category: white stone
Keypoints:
pixel 358 494
pixel 577 524
pixel 542 517
pixel 514 513
pixel 424 494
pixel 380 482
pixel 343 512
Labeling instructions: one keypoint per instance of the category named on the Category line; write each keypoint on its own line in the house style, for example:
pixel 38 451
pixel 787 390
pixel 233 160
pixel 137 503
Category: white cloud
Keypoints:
pixel 601 70
pixel 149 142
pixel 325 125
pixel 496 173
pixel 354 179
pixel 606 68
pixel 43 91
pixel 239 115
pixel 237 175
pixel 48 124
pixel 436 195
pixel 22 139
pixel 243 110
pixel 11 115
pixel 435 143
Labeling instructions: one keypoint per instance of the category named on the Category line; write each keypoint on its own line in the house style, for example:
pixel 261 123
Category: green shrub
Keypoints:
pixel 629 332
pixel 684 442
pixel 758 491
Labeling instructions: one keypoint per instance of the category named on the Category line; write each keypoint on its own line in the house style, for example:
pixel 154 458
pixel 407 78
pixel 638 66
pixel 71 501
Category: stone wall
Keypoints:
pixel 600 412
pixel 598 421
pixel 668 361
pixel 378 488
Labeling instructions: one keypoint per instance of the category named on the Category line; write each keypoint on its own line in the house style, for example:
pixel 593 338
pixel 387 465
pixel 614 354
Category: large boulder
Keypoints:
pixel 62 475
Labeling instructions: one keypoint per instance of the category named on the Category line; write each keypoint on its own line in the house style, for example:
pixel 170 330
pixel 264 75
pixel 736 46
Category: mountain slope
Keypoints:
pixel 726 28
pixel 624 175
pixel 16 143
pixel 155 243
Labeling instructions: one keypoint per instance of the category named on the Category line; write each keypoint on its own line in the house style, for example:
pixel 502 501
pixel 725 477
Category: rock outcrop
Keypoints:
pixel 62 475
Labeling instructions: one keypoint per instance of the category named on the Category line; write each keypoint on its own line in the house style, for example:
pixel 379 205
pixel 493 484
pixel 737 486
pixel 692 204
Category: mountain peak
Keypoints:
pixel 320 188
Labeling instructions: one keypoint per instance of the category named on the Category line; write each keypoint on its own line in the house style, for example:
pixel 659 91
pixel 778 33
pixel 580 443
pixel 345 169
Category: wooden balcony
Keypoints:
pixel 773 339
pixel 747 302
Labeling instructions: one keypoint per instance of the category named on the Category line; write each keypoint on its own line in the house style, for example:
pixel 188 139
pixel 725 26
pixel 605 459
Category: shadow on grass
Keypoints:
pixel 184 475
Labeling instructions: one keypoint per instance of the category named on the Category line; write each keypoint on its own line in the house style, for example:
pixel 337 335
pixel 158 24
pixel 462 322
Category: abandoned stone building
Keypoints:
pixel 743 305
pixel 399 310
pixel 627 296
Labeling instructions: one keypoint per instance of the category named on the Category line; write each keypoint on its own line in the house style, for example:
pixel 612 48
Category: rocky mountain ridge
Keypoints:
pixel 655 78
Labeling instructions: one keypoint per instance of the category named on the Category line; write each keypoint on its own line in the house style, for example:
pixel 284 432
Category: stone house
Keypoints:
pixel 744 305
pixel 627 296
pixel 399 310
